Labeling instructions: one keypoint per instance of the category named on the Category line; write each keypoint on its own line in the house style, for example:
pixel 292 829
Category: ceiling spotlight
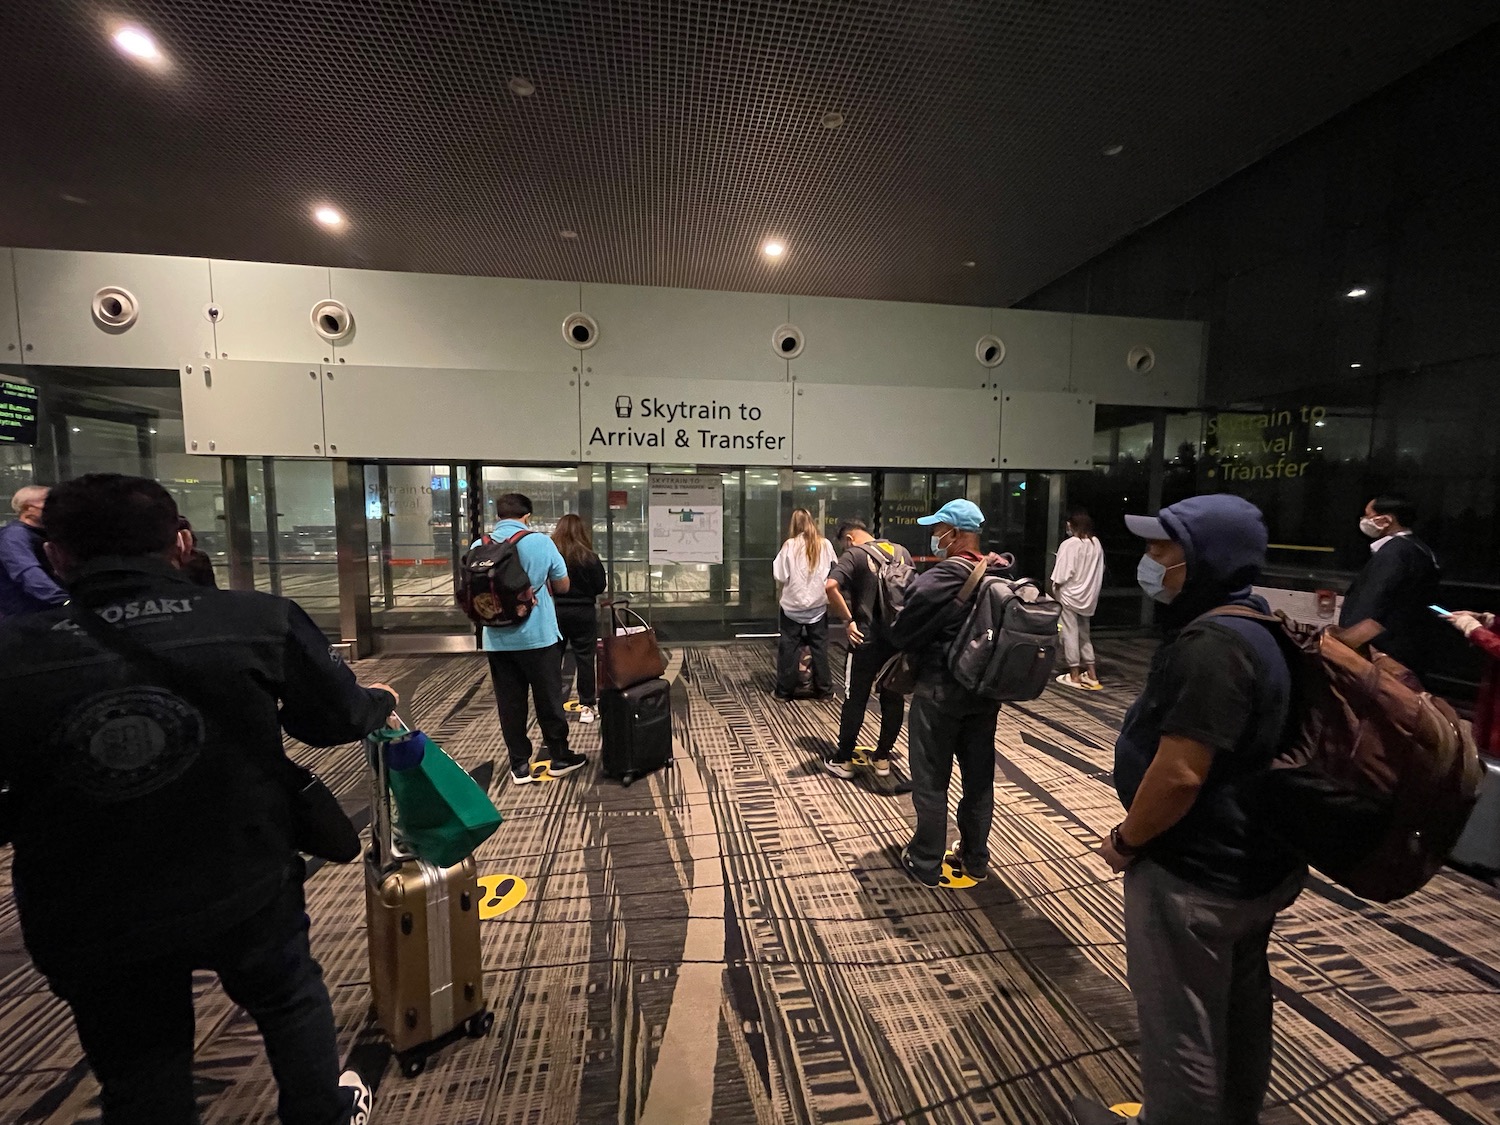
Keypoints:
pixel 1355 366
pixel 138 44
pixel 1357 293
pixel 521 87
pixel 328 217
pixel 570 235
pixel 1113 150
pixel 773 249
pixel 967 265
pixel 832 120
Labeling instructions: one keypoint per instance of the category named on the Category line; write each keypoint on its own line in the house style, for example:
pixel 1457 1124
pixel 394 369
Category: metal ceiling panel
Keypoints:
pixel 673 137
pixel 903 345
pixel 683 333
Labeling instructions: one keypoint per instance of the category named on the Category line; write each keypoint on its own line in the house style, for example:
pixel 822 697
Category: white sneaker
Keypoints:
pixel 359 1111
pixel 587 714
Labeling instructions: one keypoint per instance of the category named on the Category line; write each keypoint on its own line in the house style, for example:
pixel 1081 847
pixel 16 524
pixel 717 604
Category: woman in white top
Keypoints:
pixel 1075 584
pixel 802 568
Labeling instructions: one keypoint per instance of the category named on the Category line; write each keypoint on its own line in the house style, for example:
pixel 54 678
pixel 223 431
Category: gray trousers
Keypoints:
pixel 1202 987
pixel 944 727
pixel 1077 644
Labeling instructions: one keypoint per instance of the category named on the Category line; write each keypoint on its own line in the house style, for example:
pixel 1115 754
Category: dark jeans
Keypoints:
pixel 580 630
pixel 539 671
pixel 1202 988
pixel 136 1021
pixel 865 663
pixel 944 725
pixel 794 635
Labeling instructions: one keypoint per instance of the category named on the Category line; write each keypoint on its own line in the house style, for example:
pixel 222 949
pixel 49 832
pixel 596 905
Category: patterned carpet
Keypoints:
pixel 730 940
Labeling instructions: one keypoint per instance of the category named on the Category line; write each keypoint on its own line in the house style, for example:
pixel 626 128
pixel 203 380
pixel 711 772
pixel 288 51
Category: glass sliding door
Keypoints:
pixel 416 533
pixel 293 536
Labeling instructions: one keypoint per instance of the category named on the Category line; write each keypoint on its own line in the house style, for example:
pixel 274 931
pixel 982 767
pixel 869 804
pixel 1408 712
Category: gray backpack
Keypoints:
pixel 1007 646
pixel 893 574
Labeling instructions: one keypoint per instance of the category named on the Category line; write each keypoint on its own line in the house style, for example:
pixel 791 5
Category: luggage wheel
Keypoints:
pixel 411 1065
pixel 478 1025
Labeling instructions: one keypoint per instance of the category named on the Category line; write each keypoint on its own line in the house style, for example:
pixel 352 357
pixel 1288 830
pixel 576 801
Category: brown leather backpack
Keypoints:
pixel 1377 777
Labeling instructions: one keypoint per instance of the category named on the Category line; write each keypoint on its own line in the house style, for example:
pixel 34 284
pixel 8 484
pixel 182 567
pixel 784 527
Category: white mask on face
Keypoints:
pixel 1371 528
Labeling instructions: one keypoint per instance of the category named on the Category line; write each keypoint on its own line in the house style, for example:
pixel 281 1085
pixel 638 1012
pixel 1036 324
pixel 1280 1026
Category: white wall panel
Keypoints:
pixel 684 333
pixel 1101 345
pixel 57 323
pixel 450 414
pixel 1046 430
pixel 427 320
pixel 702 421
pixel 895 427
pixel 237 408
pixel 10 324
pixel 265 311
pixel 1038 347
pixel 887 343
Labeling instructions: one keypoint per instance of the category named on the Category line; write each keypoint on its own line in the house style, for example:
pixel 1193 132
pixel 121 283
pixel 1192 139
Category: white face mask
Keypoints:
pixel 1371 528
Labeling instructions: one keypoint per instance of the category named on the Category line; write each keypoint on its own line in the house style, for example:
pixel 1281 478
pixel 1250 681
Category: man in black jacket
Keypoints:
pixel 152 835
pixel 947 722
pixel 1396 585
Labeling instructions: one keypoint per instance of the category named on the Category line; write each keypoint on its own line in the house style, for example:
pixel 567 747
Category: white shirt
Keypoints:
pixel 804 595
pixel 1079 573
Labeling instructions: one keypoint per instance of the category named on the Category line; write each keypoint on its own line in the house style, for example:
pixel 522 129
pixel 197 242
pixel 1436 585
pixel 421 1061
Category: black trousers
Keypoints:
pixel 947 726
pixel 794 634
pixel 865 663
pixel 537 671
pixel 136 1022
pixel 580 630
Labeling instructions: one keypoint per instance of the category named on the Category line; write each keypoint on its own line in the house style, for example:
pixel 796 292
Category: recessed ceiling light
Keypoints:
pixel 832 120
pixel 968 265
pixel 521 87
pixel 773 249
pixel 570 235
pixel 328 217
pixel 1356 366
pixel 1356 293
pixel 1113 150
pixel 137 43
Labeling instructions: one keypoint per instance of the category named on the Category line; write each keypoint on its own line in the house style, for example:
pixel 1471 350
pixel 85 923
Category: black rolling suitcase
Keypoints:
pixel 635 729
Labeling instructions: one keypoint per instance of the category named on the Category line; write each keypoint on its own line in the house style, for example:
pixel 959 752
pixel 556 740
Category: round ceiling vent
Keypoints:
pixel 333 321
pixel 1140 360
pixel 580 331
pixel 786 341
pixel 990 351
pixel 115 308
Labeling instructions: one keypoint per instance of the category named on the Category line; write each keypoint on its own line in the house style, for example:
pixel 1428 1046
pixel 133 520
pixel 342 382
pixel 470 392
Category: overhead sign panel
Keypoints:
pixel 704 422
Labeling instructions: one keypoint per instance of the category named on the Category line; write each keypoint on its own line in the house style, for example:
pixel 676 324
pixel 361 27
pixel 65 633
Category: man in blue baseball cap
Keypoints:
pixel 947 722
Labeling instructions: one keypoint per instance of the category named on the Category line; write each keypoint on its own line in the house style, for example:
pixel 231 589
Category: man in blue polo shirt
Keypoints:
pixel 528 656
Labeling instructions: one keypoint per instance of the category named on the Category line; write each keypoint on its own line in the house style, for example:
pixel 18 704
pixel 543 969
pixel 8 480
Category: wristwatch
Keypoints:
pixel 1117 841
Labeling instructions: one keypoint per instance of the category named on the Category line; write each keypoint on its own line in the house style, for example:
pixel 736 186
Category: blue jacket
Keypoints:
pixel 26 585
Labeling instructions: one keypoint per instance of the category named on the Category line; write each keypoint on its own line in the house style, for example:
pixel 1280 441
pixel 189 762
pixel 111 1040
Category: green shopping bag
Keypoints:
pixel 442 813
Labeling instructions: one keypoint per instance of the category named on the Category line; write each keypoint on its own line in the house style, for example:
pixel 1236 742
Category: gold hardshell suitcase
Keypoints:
pixel 426 974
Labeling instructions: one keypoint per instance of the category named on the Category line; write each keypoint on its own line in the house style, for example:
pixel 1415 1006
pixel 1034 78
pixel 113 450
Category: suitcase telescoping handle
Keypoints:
pixel 382 812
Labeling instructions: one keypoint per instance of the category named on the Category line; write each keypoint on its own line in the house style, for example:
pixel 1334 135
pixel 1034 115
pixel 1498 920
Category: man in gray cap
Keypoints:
pixel 1204 879
pixel 947 722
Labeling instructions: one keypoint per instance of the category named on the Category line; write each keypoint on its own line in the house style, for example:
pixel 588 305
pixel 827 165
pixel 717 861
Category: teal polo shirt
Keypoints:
pixel 543 561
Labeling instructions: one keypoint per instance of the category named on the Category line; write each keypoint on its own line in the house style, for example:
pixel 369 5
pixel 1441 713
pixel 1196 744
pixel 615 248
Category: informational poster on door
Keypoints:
pixel 686 514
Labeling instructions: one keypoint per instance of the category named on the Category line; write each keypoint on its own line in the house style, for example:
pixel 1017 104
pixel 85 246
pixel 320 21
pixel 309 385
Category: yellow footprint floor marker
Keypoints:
pixel 572 705
pixel 1124 1109
pixel 502 893
pixel 539 772
pixel 952 879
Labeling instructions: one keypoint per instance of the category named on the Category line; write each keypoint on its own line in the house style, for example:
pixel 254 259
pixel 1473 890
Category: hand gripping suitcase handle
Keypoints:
pixel 382 814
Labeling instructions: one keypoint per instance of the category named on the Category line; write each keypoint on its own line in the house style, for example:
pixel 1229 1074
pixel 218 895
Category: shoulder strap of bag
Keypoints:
pixel 123 645
pixel 876 553
pixel 521 535
pixel 971 583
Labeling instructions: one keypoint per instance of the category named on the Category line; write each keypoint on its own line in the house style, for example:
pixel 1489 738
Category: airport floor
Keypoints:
pixel 731 940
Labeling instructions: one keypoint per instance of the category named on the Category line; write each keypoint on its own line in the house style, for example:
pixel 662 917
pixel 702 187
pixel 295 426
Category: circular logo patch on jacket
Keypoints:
pixel 125 744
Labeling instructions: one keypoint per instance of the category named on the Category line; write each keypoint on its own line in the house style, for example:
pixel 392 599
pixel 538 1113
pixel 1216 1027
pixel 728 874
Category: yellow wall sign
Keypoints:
pixel 502 894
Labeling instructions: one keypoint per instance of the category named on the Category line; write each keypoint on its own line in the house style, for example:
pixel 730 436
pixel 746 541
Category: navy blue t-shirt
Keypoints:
pixel 1222 682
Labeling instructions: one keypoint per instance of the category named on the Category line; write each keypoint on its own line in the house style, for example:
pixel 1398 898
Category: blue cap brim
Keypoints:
pixel 928 521
pixel 1147 527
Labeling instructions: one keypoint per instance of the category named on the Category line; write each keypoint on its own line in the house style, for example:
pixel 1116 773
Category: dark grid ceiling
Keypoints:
pixel 673 136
